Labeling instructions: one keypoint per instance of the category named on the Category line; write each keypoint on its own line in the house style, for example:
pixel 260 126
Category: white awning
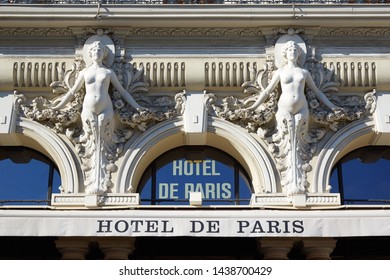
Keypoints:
pixel 211 223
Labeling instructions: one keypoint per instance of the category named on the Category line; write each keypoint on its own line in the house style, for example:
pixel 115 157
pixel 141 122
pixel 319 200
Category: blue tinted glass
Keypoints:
pixel 26 181
pixel 146 194
pixel 366 181
pixel 364 176
pixel 56 182
pixel 245 191
pixel 208 171
pixel 334 182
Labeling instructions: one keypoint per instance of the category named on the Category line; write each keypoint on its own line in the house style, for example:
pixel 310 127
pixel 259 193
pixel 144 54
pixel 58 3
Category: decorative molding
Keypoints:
pixel 299 200
pixel 229 74
pixel 164 74
pixel 81 200
pixel 354 74
pixel 357 33
pixel 195 32
pixel 135 32
pixel 33 74
pixel 280 32
pixel 36 32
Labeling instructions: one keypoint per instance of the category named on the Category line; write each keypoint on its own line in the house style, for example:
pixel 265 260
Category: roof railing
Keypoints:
pixel 189 2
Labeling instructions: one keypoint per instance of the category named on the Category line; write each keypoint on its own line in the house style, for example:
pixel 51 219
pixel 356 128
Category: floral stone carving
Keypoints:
pixel 291 107
pixel 99 107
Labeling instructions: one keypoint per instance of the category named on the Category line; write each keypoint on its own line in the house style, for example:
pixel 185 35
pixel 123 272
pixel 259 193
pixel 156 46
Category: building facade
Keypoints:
pixel 195 130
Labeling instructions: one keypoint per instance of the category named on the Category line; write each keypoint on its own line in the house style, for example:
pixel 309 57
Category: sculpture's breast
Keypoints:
pixel 296 76
pixel 99 77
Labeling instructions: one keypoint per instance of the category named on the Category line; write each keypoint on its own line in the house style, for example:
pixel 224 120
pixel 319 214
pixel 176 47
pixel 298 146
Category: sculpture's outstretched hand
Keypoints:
pixel 262 96
pixel 266 92
pixel 60 103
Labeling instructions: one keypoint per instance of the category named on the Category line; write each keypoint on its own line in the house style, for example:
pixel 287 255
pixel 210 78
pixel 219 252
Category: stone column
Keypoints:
pixel 73 248
pixel 318 248
pixel 276 248
pixel 116 248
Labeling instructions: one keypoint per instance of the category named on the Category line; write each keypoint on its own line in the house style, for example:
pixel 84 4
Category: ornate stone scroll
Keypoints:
pixel 102 101
pixel 291 107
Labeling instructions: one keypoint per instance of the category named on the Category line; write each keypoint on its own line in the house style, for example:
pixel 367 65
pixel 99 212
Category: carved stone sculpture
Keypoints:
pixel 99 118
pixel 281 111
pixel 292 136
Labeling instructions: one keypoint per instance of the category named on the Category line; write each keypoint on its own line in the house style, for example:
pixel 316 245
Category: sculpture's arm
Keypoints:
pixel 125 94
pixel 67 97
pixel 265 93
pixel 319 94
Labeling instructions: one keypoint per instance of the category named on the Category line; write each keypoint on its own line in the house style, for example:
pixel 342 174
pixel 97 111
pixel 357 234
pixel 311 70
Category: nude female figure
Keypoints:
pixel 97 79
pixel 97 117
pixel 292 116
pixel 292 79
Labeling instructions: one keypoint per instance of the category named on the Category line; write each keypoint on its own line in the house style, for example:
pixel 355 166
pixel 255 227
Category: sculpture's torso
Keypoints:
pixel 97 82
pixel 292 80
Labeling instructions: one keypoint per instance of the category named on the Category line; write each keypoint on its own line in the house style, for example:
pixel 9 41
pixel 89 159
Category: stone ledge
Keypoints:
pixel 298 200
pixel 94 201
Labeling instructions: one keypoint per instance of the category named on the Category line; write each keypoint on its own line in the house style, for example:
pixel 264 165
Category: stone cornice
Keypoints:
pixel 35 32
pixel 378 33
pixel 194 32
pixel 195 15
pixel 355 33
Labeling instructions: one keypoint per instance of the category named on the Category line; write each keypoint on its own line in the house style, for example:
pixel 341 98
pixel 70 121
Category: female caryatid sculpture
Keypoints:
pixel 288 110
pixel 292 137
pixel 96 113
pixel 97 139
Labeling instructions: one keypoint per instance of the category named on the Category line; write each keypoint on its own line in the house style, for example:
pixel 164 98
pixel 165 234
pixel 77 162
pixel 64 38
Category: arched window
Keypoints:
pixel 362 176
pixel 171 178
pixel 27 177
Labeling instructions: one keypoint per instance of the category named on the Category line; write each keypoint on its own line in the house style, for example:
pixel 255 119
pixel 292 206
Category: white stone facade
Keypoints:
pixel 190 75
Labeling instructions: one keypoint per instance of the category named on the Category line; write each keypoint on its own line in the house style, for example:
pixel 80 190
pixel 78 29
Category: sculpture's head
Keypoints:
pixel 97 45
pixel 291 50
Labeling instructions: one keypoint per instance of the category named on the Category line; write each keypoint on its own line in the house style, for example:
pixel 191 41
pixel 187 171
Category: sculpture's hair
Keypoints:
pixel 98 44
pixel 288 45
